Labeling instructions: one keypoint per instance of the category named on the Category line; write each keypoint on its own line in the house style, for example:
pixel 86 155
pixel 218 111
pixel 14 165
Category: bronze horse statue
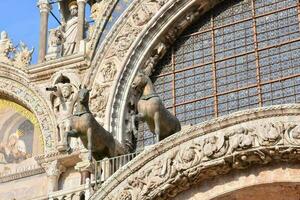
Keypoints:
pixel 151 109
pixel 94 137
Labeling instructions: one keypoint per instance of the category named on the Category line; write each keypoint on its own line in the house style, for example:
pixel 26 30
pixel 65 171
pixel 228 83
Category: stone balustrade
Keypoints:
pixel 108 166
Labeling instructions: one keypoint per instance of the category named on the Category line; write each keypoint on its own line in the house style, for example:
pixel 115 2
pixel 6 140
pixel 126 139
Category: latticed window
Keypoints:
pixel 241 55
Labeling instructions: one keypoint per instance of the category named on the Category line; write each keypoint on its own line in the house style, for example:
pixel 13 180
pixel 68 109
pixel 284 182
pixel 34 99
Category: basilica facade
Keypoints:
pixel 153 99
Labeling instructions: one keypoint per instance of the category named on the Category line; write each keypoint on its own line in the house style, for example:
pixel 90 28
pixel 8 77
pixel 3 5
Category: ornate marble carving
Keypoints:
pixel 98 99
pixel 63 99
pixel 109 71
pixel 177 171
pixel 6 48
pixel 139 15
pixel 31 99
pixel 207 150
pixel 157 54
pixel 54 44
pixel 53 170
pixel 97 10
pixel 23 56
pixel 19 57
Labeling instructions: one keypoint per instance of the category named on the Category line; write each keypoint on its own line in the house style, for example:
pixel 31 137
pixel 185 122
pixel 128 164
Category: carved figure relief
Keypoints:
pixel 270 133
pixel 19 57
pixel 70 30
pixel 54 44
pixel 98 100
pixel 109 71
pixel 6 47
pixel 63 98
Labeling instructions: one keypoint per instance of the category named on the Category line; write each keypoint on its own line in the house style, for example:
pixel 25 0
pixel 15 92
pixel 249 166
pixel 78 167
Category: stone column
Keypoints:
pixel 45 8
pixel 53 170
pixel 85 167
pixel 81 22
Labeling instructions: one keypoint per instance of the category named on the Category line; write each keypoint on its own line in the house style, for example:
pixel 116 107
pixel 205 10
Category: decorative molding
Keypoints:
pixel 131 43
pixel 65 158
pixel 100 24
pixel 27 96
pixel 46 70
pixel 121 38
pixel 23 174
pixel 237 141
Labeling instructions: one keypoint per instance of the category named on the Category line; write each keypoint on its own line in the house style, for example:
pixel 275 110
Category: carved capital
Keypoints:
pixel 53 168
pixel 84 166
pixel 44 6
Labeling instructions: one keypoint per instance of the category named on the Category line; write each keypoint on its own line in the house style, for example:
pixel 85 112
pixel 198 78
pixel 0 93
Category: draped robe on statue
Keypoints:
pixel 70 36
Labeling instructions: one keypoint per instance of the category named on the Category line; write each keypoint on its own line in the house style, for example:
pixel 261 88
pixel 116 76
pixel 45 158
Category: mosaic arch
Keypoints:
pixel 20 135
pixel 18 92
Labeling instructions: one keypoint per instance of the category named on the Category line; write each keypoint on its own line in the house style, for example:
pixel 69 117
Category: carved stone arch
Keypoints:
pixel 67 75
pixel 264 141
pixel 14 86
pixel 132 45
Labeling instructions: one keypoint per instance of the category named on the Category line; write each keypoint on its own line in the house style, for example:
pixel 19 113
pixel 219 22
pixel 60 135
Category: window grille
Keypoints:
pixel 241 55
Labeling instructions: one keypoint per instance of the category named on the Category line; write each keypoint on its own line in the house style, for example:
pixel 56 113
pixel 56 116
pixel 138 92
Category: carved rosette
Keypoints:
pixel 200 152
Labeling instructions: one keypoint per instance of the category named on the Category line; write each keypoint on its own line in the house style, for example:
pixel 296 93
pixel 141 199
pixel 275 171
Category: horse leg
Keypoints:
pixel 157 125
pixel 136 118
pixel 89 146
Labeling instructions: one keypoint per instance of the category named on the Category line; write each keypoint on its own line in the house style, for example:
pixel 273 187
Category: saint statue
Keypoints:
pixel 6 47
pixel 70 30
pixel 63 100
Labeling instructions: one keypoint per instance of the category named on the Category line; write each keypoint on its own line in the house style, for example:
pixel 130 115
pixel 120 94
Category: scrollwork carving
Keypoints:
pixel 209 156
pixel 270 133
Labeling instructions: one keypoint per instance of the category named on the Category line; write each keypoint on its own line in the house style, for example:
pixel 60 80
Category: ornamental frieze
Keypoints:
pixel 24 95
pixel 197 153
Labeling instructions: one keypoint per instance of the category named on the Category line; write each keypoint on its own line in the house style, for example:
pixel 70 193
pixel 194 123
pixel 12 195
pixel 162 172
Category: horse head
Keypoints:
pixel 83 95
pixel 140 81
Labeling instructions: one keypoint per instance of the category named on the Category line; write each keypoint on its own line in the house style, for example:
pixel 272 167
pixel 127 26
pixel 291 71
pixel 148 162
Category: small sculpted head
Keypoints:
pixel 4 35
pixel 66 90
pixel 73 8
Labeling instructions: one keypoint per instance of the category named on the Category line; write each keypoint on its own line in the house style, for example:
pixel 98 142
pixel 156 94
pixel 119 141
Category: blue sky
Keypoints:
pixel 20 19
